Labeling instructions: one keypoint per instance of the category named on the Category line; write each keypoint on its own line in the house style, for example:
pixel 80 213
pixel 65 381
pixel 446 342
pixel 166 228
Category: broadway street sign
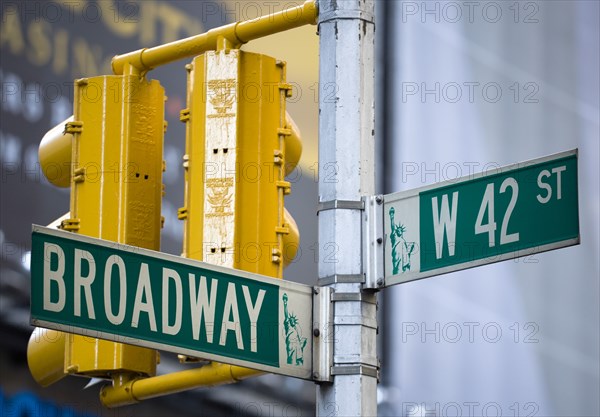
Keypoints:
pixel 145 298
pixel 509 212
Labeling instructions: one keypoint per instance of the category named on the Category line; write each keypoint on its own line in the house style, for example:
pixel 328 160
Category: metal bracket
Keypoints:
pixel 355 321
pixel 341 205
pixel 56 224
pixel 354 296
pixel 342 279
pixel 79 175
pixel 346 14
pixel 184 115
pixel 322 331
pixel 356 370
pixel 373 242
pixel 285 185
pixel 73 127
pixel 182 213
pixel 70 225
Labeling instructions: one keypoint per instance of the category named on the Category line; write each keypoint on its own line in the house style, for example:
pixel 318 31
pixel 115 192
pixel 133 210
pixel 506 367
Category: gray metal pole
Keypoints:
pixel 346 174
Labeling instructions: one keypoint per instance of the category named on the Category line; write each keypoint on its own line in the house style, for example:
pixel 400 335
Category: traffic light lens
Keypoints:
pixel 46 356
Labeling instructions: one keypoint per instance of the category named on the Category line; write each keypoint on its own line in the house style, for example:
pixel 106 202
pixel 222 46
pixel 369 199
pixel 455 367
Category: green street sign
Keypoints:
pixel 506 213
pixel 131 295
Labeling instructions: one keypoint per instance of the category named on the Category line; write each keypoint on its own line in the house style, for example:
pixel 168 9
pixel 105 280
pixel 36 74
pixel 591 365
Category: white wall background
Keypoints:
pixel 548 53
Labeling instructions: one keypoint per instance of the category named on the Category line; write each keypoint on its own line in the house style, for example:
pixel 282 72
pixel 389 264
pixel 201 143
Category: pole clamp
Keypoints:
pixel 346 14
pixel 355 321
pixel 323 334
pixel 374 241
pixel 342 279
pixel 340 205
pixel 356 370
pixel 370 298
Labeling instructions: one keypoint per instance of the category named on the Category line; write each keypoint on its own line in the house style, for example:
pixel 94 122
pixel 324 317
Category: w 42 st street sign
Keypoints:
pixel 131 295
pixel 506 213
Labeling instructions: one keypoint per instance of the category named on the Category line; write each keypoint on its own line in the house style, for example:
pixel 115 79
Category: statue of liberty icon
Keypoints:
pixel 397 237
pixel 294 342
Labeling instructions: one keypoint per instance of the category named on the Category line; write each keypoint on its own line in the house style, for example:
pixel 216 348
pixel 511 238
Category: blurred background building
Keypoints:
pixel 461 87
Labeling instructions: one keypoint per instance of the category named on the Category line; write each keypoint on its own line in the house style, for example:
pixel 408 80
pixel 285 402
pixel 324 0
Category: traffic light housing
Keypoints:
pixel 233 130
pixel 240 145
pixel 110 153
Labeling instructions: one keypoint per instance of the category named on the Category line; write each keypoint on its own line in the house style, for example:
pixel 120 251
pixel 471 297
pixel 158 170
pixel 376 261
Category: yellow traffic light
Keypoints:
pixel 112 149
pixel 240 145
pixel 55 154
pixel 45 355
pixel 234 214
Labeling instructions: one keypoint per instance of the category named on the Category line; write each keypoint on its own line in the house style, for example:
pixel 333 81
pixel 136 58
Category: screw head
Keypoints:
pixel 315 375
pixel 379 240
pixel 380 282
pixel 379 199
pixel 316 332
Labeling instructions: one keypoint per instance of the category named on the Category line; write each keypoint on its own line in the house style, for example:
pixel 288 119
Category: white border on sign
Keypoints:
pixel 395 199
pixel 294 290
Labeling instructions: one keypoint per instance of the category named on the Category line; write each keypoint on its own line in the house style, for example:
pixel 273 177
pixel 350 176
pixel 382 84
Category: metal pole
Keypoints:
pixel 346 162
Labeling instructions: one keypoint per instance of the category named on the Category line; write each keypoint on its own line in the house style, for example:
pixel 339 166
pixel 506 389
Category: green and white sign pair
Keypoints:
pixel 146 298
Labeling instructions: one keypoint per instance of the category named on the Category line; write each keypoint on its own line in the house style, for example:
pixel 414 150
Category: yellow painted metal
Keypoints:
pixel 265 236
pixel 236 34
pixel 55 154
pixel 101 358
pixel 293 145
pixel 113 145
pixel 130 392
pixel 291 240
pixel 45 356
pixel 256 181
pixel 116 193
pixel 116 160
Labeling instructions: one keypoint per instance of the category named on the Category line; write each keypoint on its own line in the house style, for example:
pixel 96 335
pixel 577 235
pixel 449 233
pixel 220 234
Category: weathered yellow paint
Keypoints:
pixel 251 174
pixel 116 192
pixel 116 160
